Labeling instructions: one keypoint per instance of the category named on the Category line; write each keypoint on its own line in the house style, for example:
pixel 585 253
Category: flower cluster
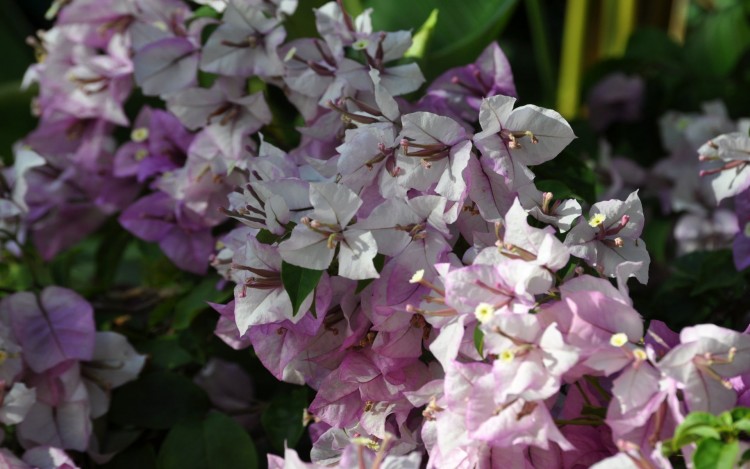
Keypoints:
pixel 56 375
pixel 704 223
pixel 400 259
pixel 725 163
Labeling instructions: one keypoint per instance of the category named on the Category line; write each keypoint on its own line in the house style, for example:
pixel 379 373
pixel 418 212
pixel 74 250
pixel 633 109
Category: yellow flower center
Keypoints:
pixel 747 229
pixel 417 277
pixel 596 220
pixel 139 135
pixel 484 312
pixel 507 356
pixel 618 340
pixel 367 442
pixel 360 44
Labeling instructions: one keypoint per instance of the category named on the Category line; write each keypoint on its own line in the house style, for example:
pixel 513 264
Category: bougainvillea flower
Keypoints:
pixel 706 357
pixel 54 327
pixel 314 241
pixel 726 164
pixel 742 239
pixel 434 153
pixel 611 236
pixel 529 134
pixel 245 44
pixel 459 91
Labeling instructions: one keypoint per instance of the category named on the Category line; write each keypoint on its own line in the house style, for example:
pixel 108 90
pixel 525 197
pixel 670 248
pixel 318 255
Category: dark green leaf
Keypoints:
pixel 558 189
pixel 266 237
pixel 116 440
pixel 215 442
pixel 717 273
pixel 715 454
pixel 657 234
pixel 165 352
pixel 157 400
pixel 207 31
pixel 206 79
pixel 462 29
pixel 16 103
pixel 142 457
pixel 196 301
pixel 744 459
pixel 740 413
pixel 108 255
pixel 299 283
pixel 282 420
pixel 653 45
pixel 719 41
pixel 302 22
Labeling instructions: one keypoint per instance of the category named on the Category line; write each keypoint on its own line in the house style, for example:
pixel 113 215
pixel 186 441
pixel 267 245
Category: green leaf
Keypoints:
pixel 206 79
pixel 744 459
pixel 715 454
pixel 558 189
pixel 16 103
pixel 668 448
pixel 462 30
pixel 652 45
pixel 718 42
pixel 282 420
pixel 109 253
pixel 421 39
pixel 205 12
pixel 726 419
pixel 142 457
pixel 215 442
pixel 698 418
pixel 197 301
pixel 299 283
pixel 302 22
pixel 740 413
pixel 157 400
pixel 165 352
pixel 266 237
pixel 697 425
pixel 479 340
pixel 717 273
pixel 657 234
pixel 742 425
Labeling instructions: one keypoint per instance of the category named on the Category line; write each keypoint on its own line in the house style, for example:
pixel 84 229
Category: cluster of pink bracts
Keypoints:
pixel 517 351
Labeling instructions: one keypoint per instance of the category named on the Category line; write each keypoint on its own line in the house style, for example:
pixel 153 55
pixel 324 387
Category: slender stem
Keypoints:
pixel 593 381
pixel 678 20
pixel 540 42
pixel 583 393
pixel 571 62
pixel 30 257
pixel 617 20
